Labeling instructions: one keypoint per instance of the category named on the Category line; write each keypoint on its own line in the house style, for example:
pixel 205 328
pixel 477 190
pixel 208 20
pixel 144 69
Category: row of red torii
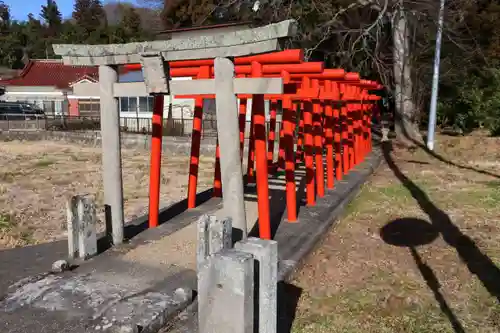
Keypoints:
pixel 326 116
pixel 331 108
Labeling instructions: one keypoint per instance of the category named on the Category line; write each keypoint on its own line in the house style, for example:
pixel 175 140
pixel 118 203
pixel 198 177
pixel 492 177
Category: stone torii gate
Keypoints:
pixel 154 57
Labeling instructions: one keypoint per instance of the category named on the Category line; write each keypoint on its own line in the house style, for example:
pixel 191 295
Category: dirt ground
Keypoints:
pixel 417 251
pixel 37 177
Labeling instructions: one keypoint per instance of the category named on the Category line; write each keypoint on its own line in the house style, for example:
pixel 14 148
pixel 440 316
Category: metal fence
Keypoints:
pixel 171 127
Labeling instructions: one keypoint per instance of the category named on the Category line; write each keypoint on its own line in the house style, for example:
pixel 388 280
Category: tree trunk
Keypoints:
pixel 406 127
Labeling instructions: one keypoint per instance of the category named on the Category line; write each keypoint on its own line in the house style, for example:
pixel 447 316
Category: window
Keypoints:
pixel 89 107
pixel 136 104
pixel 143 104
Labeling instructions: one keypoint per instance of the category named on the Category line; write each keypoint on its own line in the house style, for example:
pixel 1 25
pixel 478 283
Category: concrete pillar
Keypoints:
pixel 228 134
pixel 213 236
pixel 72 226
pixel 111 154
pixel 226 293
pixel 82 225
pixel 265 253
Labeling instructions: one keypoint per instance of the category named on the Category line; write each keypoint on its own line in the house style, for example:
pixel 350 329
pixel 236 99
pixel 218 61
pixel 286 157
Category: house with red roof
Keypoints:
pixel 50 85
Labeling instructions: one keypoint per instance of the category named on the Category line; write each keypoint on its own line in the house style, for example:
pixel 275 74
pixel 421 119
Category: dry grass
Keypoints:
pixel 37 177
pixel 357 282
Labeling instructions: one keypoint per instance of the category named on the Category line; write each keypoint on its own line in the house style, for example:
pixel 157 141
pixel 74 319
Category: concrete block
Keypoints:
pixel 212 236
pixel 72 226
pixel 155 80
pixel 82 225
pixel 87 231
pixel 225 293
pixel 219 233
pixel 265 253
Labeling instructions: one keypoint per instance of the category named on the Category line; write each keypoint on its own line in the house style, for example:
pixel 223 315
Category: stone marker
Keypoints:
pixel 213 236
pixel 225 293
pixel 82 235
pixel 265 253
pixel 72 226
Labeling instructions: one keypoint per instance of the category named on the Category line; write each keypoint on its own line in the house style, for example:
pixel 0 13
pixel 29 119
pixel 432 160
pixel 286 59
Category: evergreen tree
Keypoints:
pixel 51 15
pixel 4 16
pixel 89 15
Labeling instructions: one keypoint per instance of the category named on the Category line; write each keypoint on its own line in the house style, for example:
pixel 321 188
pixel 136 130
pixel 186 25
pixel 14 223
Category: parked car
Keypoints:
pixel 19 111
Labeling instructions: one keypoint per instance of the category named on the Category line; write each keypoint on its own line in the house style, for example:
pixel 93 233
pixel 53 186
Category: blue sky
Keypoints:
pixel 19 9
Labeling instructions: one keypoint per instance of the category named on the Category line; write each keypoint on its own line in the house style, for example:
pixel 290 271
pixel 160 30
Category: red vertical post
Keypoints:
pixel 155 167
pixel 364 124
pixel 370 107
pixel 318 144
pixel 195 151
pixel 308 148
pixel 259 115
pixel 343 128
pixel 242 122
pixel 281 148
pixel 217 176
pixel 273 108
pixel 360 126
pixel 195 142
pixel 299 157
pixel 329 136
pixel 350 127
pixel 337 126
pixel 355 115
pixel 288 129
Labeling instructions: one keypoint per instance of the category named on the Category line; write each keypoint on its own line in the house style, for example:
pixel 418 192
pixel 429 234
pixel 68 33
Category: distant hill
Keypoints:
pixel 150 18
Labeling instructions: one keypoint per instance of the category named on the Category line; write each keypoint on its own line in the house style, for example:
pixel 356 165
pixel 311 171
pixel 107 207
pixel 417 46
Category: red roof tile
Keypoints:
pixel 51 73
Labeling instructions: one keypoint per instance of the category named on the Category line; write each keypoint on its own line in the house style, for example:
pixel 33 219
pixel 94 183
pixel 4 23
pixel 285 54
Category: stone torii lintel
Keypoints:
pixel 234 44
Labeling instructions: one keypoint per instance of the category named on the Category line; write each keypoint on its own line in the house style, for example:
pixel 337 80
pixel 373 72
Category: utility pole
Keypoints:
pixel 435 80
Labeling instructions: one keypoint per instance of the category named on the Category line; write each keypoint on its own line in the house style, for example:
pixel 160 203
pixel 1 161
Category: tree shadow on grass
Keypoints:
pixel 449 162
pixel 477 262
pixel 413 232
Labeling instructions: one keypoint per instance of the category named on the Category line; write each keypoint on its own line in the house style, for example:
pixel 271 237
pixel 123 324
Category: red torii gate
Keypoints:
pixel 343 128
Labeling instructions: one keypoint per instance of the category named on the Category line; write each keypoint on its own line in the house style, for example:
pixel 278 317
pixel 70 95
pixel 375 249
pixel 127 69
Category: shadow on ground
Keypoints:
pixel 449 162
pixel 412 232
pixel 477 262
pixel 288 300
pixel 277 202
pixel 140 224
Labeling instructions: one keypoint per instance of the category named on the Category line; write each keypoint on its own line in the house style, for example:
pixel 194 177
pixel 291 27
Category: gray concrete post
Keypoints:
pixel 87 233
pixel 111 153
pixel 228 133
pixel 225 293
pixel 82 224
pixel 265 253
pixel 213 236
pixel 72 226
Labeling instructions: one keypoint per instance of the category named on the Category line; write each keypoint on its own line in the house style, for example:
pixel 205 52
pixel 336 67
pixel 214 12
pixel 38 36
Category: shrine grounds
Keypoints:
pixel 418 250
